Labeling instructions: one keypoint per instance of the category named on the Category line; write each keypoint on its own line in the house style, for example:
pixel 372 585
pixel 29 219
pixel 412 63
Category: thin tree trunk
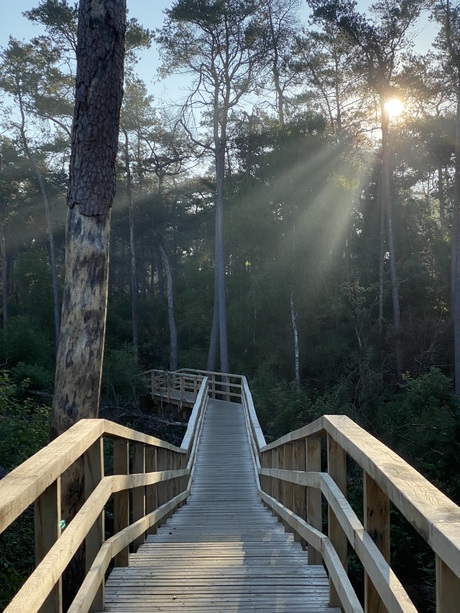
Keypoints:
pixel 381 263
pixel 296 339
pixel 220 257
pixel 455 266
pixel 171 317
pixel 49 224
pixel 132 249
pixel 214 340
pixel 4 258
pixel 386 197
pixel 441 198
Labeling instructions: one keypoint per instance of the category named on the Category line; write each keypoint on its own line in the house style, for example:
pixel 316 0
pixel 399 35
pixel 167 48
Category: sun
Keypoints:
pixel 394 107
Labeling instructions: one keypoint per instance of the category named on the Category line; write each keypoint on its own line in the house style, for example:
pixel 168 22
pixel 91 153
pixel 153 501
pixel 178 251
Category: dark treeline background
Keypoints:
pixel 340 222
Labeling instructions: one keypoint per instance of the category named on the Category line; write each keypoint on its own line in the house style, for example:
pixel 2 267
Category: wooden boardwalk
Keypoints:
pixel 222 551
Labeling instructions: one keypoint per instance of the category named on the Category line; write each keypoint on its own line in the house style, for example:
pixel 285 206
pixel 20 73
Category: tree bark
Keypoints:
pixel 132 249
pixel 220 257
pixel 4 259
pixel 455 265
pixel 296 339
pixel 171 316
pixel 386 198
pixel 99 92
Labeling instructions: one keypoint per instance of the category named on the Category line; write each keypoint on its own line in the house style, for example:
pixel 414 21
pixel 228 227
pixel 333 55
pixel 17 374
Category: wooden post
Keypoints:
pixel 94 472
pixel 337 469
pixel 447 588
pixel 121 499
pixel 138 495
pixel 161 487
pixel 274 486
pixel 47 520
pixel 152 383
pixel 376 513
pixel 314 509
pixel 151 499
pixel 299 497
pixel 281 484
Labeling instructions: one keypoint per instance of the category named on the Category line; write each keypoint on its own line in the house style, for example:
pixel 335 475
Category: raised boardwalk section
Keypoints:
pixel 223 550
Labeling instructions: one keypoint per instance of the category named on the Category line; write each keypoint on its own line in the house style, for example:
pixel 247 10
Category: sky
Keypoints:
pixel 150 15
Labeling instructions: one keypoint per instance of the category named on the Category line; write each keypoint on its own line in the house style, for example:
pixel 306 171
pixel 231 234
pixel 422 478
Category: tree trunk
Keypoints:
pixel 132 249
pixel 296 339
pixel 214 340
pixel 99 92
pixel 171 317
pixel 49 224
pixel 386 198
pixel 455 265
pixel 4 259
pixel 220 257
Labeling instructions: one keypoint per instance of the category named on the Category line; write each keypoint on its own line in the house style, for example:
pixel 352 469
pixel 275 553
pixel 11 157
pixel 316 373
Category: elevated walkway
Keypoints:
pixel 200 527
pixel 223 551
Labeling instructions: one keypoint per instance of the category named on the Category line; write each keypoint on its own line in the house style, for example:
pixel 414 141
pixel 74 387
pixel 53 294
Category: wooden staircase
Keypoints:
pixel 223 550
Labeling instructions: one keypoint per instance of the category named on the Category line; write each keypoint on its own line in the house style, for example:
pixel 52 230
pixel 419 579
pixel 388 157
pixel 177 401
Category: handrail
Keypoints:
pixel 173 386
pixel 292 481
pixel 154 463
pixel 292 484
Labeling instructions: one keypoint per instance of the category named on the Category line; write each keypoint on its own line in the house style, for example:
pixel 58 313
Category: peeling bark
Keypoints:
pixel 99 92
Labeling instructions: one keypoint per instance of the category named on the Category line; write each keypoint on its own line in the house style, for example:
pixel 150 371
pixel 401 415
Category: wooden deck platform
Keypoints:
pixel 222 551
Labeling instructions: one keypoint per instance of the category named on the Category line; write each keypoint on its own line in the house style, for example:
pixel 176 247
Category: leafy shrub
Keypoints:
pixel 23 431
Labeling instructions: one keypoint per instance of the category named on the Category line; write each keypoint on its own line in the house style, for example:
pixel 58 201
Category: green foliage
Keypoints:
pixel 23 431
pixel 23 424
pixel 24 341
pixel 120 381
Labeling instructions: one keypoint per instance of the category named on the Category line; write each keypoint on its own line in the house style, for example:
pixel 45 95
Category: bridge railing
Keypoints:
pixel 294 483
pixel 181 385
pixel 178 386
pixel 150 479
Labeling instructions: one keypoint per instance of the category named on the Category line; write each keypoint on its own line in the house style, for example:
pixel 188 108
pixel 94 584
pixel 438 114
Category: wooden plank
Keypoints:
pixel 138 494
pixel 222 550
pixel 47 522
pixel 94 473
pixel 121 498
pixel 314 503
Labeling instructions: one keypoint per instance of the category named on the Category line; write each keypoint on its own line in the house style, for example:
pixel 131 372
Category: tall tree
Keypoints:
pixel 216 41
pixel 99 91
pixel 378 44
pixel 25 74
pixel 447 14
pixel 98 96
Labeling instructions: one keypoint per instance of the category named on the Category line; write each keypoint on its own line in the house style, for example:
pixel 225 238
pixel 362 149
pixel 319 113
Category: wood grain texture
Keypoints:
pixel 222 551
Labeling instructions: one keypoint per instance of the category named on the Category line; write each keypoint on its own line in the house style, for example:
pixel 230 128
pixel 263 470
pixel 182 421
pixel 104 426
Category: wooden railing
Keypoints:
pixel 150 479
pixel 298 475
pixel 294 484
pixel 180 385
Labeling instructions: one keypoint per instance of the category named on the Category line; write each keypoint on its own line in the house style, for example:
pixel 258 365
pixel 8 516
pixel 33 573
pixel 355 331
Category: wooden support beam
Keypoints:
pixel 376 511
pixel 447 588
pixel 94 472
pixel 151 498
pixel 299 493
pixel 337 469
pixel 314 506
pixel 47 520
pixel 138 495
pixel 121 499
